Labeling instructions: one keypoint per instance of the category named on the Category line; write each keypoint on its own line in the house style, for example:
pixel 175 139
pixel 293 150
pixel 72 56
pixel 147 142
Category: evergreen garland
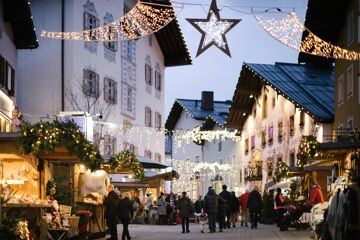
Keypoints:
pixel 307 149
pixel 281 171
pixel 51 187
pixel 44 137
pixel 127 159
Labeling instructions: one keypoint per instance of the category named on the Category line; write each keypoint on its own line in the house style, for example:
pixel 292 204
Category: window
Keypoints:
pixel 148 117
pixel 90 83
pixel 197 159
pixel 271 134
pixel 246 146
pixel 109 145
pixel 263 137
pixel 157 120
pixel 179 141
pixel 90 22
pixel 147 154
pixel 150 40
pixel 157 81
pixel 129 99
pixel 233 159
pixel 221 161
pixel 292 159
pixel 253 141
pixel 187 140
pixel 350 28
pixel 302 119
pixel 129 49
pixel 341 90
pixel 7 77
pixel 148 74
pixel 292 125
pixel 350 123
pixel 157 157
pixel 110 90
pixel 264 107
pixel 110 45
pixel 219 146
pixel 273 101
pixel 350 81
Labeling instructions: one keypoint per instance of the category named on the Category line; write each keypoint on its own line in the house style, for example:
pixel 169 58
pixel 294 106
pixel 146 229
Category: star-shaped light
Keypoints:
pixel 213 30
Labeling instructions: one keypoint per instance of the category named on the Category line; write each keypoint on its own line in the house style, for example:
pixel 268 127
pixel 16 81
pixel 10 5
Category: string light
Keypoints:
pixel 140 21
pixel 289 31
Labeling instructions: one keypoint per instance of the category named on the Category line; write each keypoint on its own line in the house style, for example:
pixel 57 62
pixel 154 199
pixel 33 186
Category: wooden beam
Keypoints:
pixel 248 90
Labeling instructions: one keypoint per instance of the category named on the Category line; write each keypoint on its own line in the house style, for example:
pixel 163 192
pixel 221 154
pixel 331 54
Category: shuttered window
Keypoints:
pixel 110 90
pixel 157 81
pixel 148 114
pixel 157 120
pixel 148 74
pixel 90 83
pixel 90 22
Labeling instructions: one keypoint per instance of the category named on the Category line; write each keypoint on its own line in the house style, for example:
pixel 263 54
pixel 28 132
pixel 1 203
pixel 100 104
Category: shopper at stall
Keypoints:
pixel 161 211
pixel 255 206
pixel 126 213
pixel 227 196
pixel 235 204
pixel 184 206
pixel 211 208
pixel 316 195
pixel 279 206
pixel 244 208
pixel 199 205
pixel 111 203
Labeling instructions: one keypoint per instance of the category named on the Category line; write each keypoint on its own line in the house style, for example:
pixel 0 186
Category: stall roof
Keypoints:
pixel 130 185
pixel 167 176
pixel 149 163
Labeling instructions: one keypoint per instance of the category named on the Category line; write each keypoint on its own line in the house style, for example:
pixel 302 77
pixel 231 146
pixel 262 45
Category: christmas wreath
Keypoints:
pixel 127 159
pixel 44 137
pixel 307 149
pixel 281 171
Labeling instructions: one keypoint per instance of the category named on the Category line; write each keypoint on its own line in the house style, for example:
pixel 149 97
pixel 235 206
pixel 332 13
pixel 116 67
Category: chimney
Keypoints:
pixel 207 100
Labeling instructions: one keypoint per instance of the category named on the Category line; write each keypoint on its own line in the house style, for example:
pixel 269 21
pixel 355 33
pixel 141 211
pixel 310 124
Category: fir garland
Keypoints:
pixel 307 149
pixel 281 171
pixel 44 137
pixel 127 159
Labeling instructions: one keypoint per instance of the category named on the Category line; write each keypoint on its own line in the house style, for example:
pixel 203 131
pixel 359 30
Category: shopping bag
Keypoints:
pixel 178 218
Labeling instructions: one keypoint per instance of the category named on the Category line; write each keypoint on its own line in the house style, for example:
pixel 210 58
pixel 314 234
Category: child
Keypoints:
pixel 202 219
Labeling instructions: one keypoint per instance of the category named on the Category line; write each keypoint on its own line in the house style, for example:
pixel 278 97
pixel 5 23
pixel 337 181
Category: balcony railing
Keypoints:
pixel 340 136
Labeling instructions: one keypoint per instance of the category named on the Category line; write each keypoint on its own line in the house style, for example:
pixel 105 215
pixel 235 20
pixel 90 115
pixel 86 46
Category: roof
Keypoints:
pixel 149 163
pixel 325 19
pixel 194 109
pixel 309 87
pixel 171 41
pixel 18 14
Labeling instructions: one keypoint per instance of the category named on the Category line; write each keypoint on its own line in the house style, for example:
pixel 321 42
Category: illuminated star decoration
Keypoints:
pixel 213 30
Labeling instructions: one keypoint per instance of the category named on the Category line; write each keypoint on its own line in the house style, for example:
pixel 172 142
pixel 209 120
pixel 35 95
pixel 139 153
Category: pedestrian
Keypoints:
pixel 170 205
pixel 211 208
pixel 185 209
pixel 227 196
pixel 199 206
pixel 126 213
pixel 244 208
pixel 111 203
pixel 316 195
pixel 202 219
pixel 255 206
pixel 235 204
pixel 280 209
pixel 161 211
pixel 147 205
pixel 222 206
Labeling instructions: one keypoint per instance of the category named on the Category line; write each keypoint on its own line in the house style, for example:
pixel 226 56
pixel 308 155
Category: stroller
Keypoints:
pixel 291 218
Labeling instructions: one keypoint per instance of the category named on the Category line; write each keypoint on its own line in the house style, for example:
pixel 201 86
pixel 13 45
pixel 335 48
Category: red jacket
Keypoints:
pixel 316 195
pixel 244 201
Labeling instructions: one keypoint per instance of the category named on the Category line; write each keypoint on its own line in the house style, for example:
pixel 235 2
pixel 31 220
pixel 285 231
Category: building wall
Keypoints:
pixel 349 108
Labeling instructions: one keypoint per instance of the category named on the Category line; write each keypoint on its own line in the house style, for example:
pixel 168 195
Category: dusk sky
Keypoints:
pixel 215 71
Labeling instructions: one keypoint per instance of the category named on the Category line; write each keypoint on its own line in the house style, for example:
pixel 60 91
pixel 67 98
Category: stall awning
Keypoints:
pixel 283 184
pixel 149 163
pixel 166 176
pixel 130 185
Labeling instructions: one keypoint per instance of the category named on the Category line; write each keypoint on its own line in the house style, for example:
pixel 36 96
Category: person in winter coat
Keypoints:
pixel 199 206
pixel 161 211
pixel 255 206
pixel 222 205
pixel 126 212
pixel 227 196
pixel 279 206
pixel 111 203
pixel 244 208
pixel 235 204
pixel 185 208
pixel 316 195
pixel 211 208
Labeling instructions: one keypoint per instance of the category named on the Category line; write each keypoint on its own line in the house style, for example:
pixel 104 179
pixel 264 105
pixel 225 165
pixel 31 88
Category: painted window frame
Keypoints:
pixel 110 90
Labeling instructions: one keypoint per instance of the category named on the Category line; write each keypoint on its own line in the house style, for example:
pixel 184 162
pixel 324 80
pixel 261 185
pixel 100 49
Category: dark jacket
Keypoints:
pixel 221 206
pixel 227 196
pixel 185 207
pixel 254 202
pixel 211 202
pixel 125 209
pixel 111 204
pixel 279 201
pixel 235 204
pixel 199 204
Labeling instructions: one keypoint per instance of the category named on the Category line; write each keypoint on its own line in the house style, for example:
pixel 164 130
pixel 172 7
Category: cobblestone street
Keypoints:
pixel 156 232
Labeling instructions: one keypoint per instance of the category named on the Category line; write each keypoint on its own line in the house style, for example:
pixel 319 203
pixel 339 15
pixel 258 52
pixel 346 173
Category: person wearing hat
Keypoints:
pixel 184 206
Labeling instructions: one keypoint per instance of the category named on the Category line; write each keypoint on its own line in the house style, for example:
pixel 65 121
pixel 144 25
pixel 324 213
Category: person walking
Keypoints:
pixel 255 206
pixel 111 203
pixel 185 210
pixel 147 206
pixel 227 196
pixel 235 204
pixel 244 208
pixel 211 208
pixel 279 206
pixel 126 213
pixel 199 206
pixel 316 195
pixel 161 211
pixel 222 206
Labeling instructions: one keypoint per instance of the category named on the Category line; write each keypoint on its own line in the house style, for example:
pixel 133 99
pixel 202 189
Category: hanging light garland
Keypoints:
pixel 140 21
pixel 289 31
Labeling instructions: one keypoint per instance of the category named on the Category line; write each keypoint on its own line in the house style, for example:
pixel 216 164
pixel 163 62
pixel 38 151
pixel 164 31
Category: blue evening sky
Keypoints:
pixel 215 71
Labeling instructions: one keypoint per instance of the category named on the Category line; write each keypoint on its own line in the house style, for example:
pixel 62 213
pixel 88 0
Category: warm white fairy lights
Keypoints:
pixel 140 21
pixel 289 31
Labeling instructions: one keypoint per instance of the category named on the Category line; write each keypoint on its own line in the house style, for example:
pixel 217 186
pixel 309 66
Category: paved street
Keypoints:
pixel 156 232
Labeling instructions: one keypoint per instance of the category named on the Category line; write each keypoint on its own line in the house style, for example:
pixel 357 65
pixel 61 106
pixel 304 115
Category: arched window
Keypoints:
pixel 264 107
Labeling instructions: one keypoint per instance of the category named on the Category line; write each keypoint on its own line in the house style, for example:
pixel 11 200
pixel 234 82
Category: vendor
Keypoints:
pixel 316 195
